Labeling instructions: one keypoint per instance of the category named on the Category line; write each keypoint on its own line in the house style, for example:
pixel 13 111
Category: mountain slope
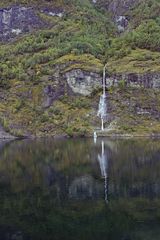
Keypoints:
pixel 54 57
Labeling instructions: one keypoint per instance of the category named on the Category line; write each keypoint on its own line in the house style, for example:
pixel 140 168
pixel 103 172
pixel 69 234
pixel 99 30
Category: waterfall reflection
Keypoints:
pixel 103 163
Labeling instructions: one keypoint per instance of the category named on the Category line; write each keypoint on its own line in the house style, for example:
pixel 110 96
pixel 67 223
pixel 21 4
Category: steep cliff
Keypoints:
pixel 52 56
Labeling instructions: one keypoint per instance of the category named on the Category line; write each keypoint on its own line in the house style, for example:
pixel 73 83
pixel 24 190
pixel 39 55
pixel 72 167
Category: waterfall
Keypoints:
pixel 104 80
pixel 95 137
pixel 103 162
pixel 102 110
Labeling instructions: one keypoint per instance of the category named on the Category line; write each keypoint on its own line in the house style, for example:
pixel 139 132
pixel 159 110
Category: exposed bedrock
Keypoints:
pixel 119 10
pixel 18 20
pixel 146 80
pixel 121 7
pixel 82 82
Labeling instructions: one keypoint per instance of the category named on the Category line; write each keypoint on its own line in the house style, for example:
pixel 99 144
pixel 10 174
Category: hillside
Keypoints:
pixel 52 55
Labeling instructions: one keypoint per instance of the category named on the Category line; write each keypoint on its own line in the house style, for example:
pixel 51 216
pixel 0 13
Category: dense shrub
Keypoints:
pixel 146 36
pixel 83 30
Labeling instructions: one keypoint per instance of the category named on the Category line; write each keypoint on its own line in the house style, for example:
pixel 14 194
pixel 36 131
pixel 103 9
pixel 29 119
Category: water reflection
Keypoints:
pixel 55 189
pixel 103 162
pixel 134 166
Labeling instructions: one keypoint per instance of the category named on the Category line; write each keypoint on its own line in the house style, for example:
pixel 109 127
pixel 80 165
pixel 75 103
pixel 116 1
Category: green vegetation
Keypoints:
pixel 136 110
pixel 84 38
pixel 145 36
pixel 76 40
pixel 137 61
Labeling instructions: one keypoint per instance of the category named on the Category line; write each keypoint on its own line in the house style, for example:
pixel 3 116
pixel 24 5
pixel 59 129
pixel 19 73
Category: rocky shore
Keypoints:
pixel 5 135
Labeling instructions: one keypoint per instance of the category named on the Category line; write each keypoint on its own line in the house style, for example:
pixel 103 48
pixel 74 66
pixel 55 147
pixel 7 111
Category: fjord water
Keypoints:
pixel 80 189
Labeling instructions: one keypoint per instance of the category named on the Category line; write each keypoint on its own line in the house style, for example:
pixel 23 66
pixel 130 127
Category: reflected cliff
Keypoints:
pixel 133 166
pixel 53 187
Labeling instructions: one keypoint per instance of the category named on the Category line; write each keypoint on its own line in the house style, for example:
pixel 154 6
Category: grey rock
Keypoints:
pixel 80 82
pixel 121 7
pixel 146 80
pixel 83 82
pixel 119 10
pixel 17 20
pixel 51 93
pixel 58 12
pixel 122 23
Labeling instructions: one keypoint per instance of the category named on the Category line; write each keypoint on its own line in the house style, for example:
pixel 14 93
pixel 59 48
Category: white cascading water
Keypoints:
pixel 102 110
pixel 103 162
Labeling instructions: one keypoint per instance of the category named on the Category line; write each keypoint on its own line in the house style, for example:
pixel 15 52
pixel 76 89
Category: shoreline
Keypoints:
pixel 111 136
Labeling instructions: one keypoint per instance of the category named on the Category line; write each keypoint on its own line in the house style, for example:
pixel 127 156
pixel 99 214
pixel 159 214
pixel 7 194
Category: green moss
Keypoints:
pixel 86 62
pixel 136 111
pixel 138 61
pixel 57 3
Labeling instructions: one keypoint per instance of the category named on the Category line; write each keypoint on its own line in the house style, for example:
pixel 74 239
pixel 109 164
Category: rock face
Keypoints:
pixel 122 23
pixel 51 93
pixel 17 20
pixel 117 7
pixel 58 12
pixel 74 82
pixel 146 80
pixel 119 10
pixel 120 7
pixel 83 82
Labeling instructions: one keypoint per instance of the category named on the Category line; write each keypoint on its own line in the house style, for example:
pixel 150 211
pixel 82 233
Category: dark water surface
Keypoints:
pixel 80 190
